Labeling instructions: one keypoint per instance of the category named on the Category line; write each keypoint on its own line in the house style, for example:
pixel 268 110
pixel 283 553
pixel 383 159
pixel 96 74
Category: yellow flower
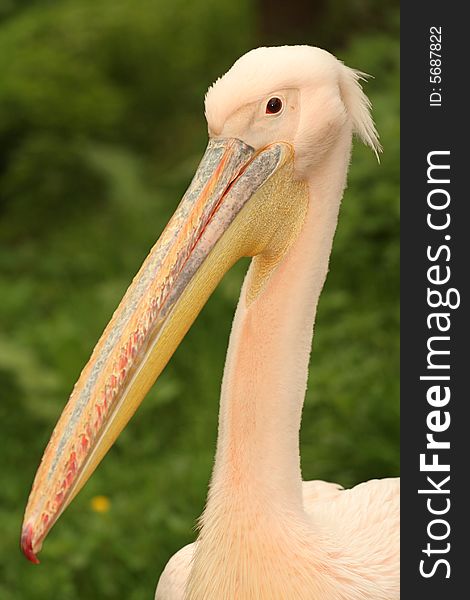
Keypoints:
pixel 100 504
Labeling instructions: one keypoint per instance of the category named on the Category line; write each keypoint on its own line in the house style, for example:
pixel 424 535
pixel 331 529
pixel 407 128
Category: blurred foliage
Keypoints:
pixel 101 127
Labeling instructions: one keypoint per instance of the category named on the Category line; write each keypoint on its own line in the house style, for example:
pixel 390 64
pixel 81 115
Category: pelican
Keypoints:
pixel 269 186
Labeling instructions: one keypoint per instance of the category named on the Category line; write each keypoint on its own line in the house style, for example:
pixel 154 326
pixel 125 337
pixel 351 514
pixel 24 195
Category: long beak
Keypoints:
pixel 209 231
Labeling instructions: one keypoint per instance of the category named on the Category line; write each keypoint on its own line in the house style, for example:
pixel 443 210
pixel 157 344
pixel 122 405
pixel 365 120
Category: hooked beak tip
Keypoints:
pixel 27 543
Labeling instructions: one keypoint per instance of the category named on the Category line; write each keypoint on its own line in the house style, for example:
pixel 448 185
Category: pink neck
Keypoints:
pixel 267 362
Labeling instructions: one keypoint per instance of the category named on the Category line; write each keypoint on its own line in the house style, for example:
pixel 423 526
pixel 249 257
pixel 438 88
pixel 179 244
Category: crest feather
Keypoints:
pixel 359 107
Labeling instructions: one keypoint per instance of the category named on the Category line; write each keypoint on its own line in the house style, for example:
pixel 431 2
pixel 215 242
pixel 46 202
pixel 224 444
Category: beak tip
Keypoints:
pixel 27 543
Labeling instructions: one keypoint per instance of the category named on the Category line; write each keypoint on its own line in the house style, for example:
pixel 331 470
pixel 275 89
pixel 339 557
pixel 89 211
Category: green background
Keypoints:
pixel 101 127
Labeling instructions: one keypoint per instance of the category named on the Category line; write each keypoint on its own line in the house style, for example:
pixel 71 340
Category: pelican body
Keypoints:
pixel 269 186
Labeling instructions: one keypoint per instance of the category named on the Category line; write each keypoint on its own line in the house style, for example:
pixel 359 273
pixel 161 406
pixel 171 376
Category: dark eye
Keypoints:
pixel 273 106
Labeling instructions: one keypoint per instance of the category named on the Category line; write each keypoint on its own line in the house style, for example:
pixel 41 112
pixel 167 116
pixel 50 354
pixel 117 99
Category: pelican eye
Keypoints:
pixel 273 106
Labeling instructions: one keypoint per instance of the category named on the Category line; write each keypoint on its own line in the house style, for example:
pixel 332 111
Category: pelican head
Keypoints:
pixel 273 119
